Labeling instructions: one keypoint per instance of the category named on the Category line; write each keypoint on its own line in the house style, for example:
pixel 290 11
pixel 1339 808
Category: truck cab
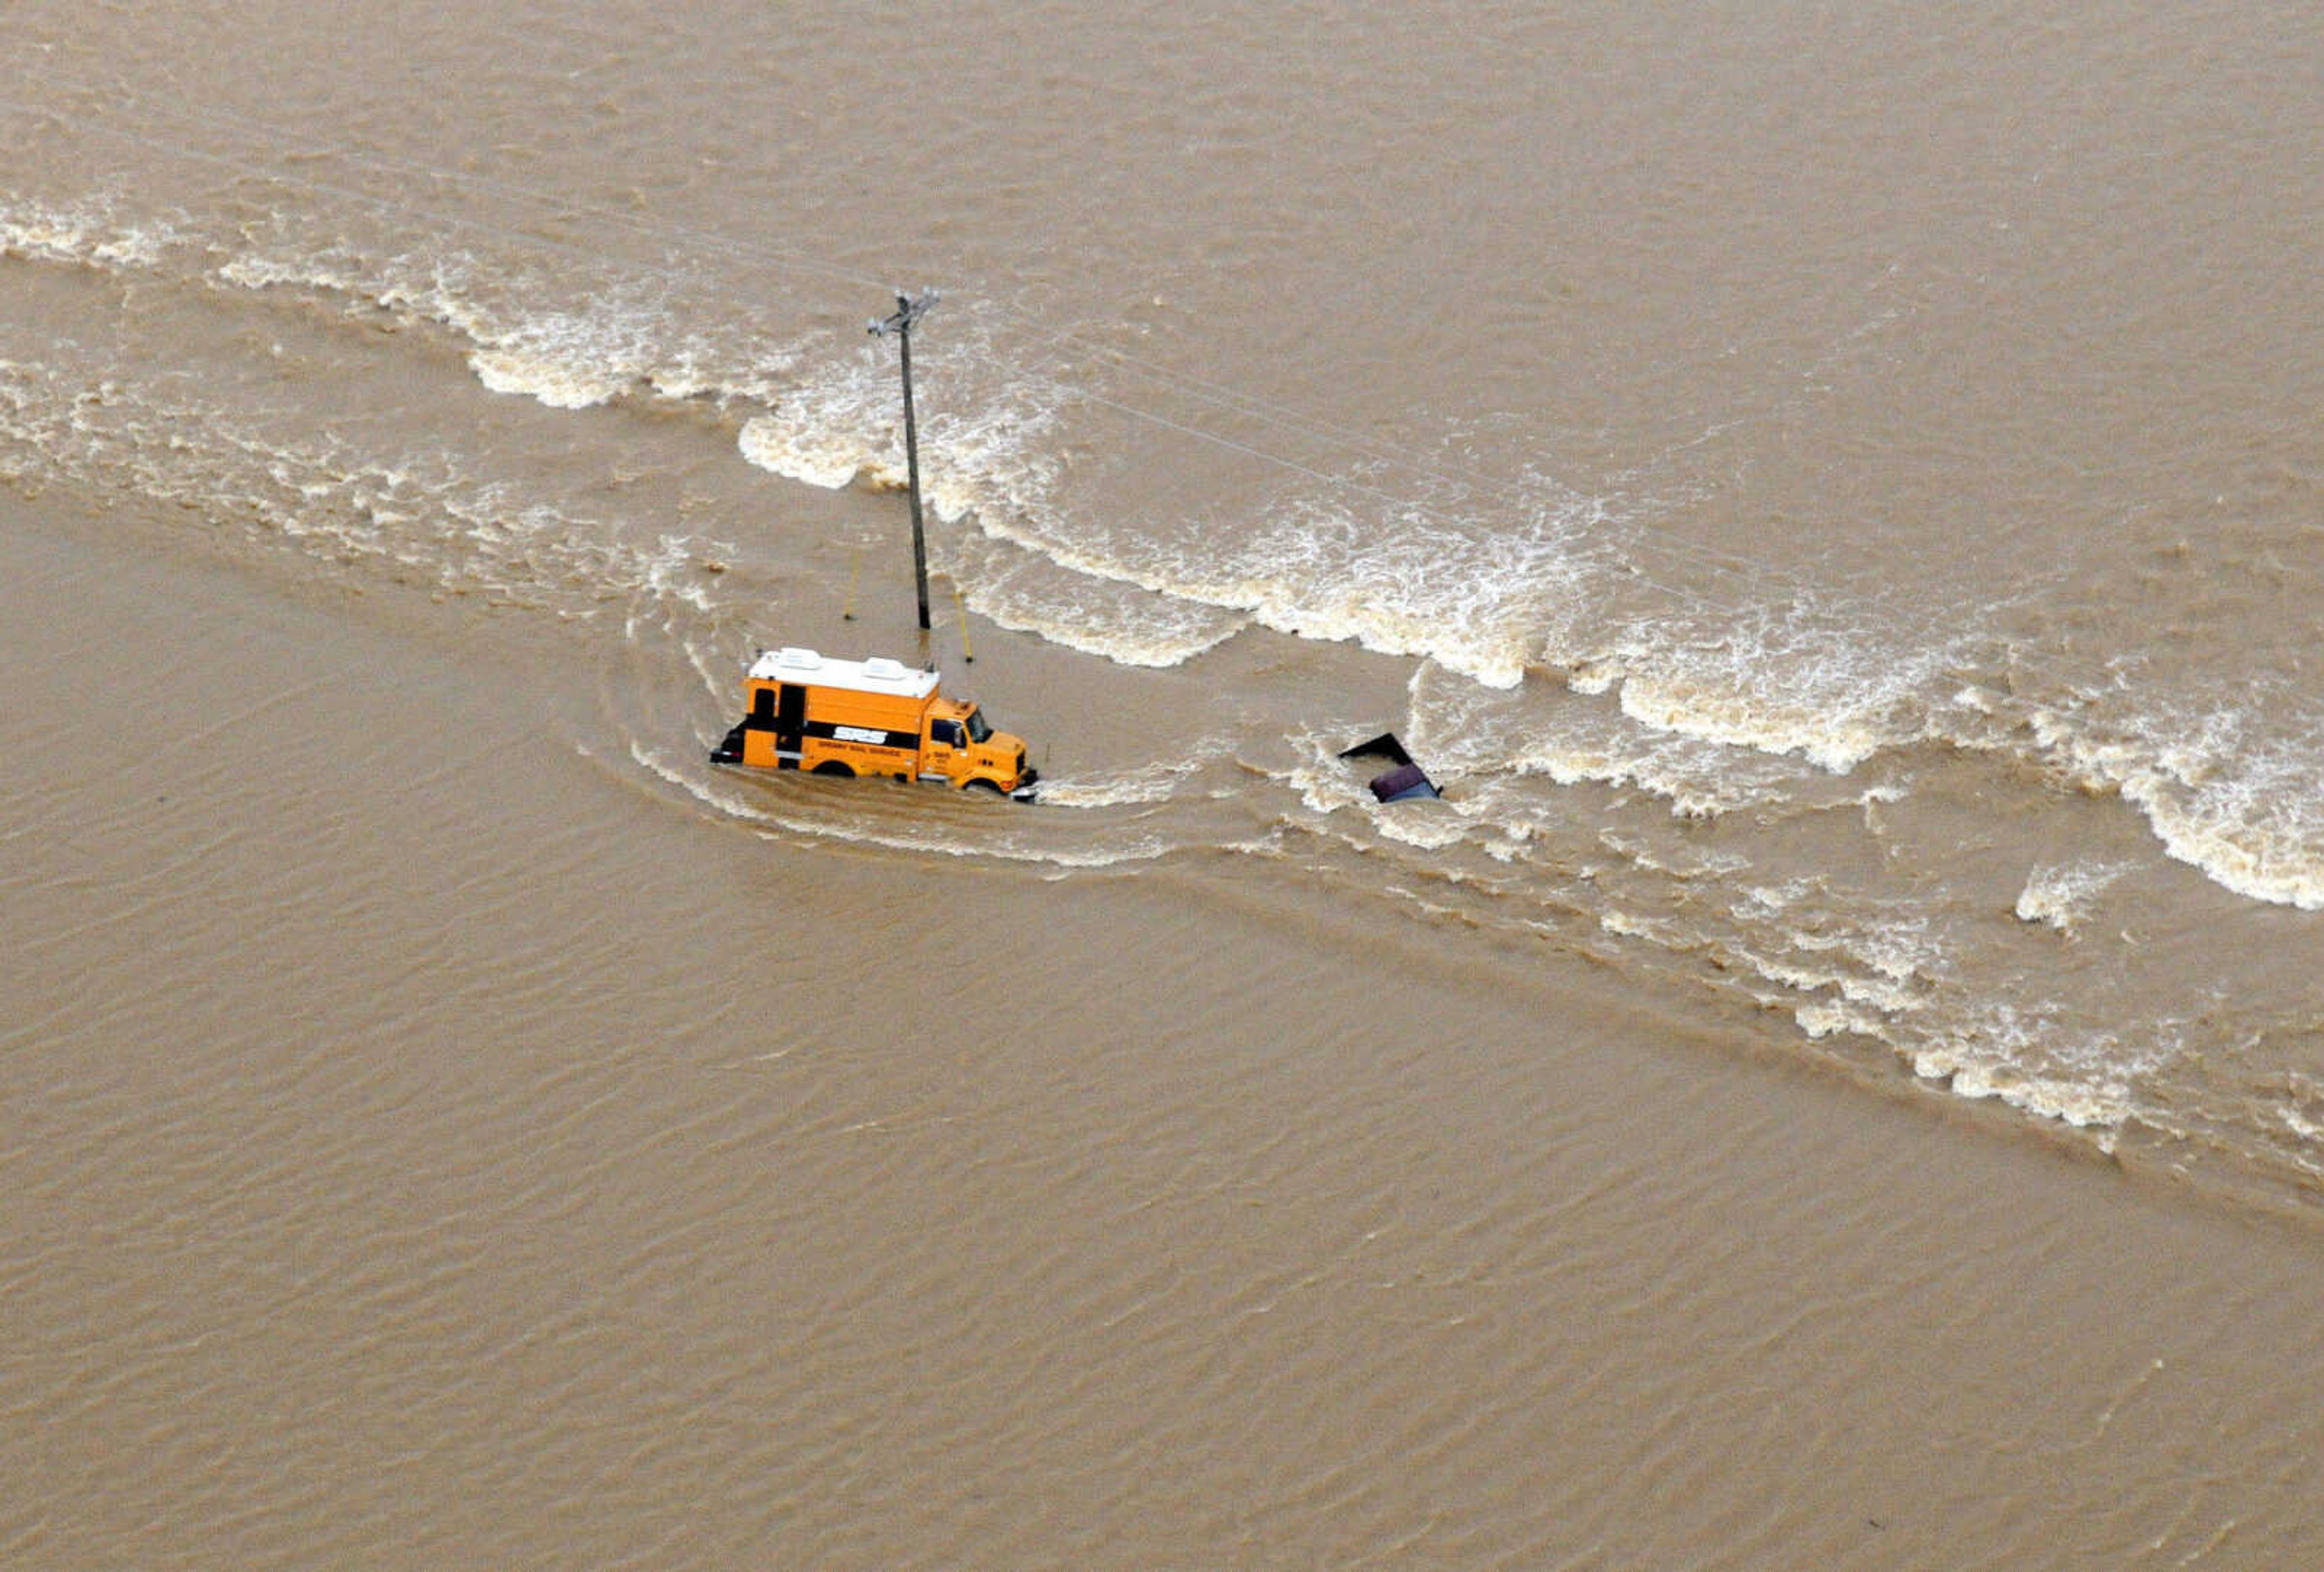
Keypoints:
pixel 962 750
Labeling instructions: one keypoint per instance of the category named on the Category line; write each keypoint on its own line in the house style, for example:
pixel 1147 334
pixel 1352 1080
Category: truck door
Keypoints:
pixel 943 747
pixel 790 722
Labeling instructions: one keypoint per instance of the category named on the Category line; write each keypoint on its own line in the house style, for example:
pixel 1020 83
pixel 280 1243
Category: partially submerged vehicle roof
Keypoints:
pixel 876 675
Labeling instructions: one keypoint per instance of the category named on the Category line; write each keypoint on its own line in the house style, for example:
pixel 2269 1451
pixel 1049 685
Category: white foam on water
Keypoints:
pixel 1972 1071
pixel 1536 730
pixel 622 342
pixel 2227 792
pixel 566 353
pixel 1819 682
pixel 1414 586
pixel 1324 782
pixel 1898 945
pixel 2032 1057
pixel 827 459
pixel 1475 601
pixel 1654 931
pixel 1144 783
pixel 1423 823
pixel 561 381
pixel 827 428
pixel 1995 1059
pixel 1595 675
pixel 89 233
pixel 1695 784
pixel 1676 860
pixel 1765 901
pixel 1885 997
pixel 836 419
pixel 2249 835
pixel 2060 895
pixel 1124 624
pixel 1173 638
pixel 1837 741
pixel 1823 1018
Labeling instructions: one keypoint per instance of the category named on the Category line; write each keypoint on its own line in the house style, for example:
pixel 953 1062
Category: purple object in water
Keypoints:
pixel 1403 782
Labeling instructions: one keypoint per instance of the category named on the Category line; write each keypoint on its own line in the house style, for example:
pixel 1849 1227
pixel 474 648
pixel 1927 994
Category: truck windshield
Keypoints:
pixel 977 730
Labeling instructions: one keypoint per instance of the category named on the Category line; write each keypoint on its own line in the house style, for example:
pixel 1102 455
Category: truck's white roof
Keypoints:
pixel 876 675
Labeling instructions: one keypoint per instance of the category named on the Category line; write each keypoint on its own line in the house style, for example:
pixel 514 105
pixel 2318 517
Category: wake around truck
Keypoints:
pixel 869 718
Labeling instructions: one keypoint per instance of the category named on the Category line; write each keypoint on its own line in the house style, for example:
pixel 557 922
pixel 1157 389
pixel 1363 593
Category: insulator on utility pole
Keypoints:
pixel 909 309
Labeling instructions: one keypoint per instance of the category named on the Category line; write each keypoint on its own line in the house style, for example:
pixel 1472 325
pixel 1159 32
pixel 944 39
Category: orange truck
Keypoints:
pixel 875 717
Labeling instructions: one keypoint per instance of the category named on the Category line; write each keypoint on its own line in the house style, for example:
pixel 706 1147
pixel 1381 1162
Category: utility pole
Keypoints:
pixel 909 309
